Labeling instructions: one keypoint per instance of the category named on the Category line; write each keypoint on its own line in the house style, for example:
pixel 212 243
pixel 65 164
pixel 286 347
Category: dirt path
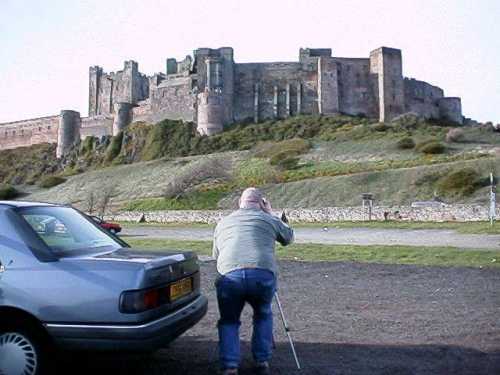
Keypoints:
pixel 349 236
pixel 351 318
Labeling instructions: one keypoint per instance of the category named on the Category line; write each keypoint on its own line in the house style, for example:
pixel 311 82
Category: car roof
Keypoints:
pixel 26 204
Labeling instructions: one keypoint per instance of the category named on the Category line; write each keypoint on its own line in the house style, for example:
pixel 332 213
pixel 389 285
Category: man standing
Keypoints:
pixel 244 249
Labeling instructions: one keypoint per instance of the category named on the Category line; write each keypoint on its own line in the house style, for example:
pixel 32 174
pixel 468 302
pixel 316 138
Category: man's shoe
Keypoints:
pixel 262 368
pixel 230 371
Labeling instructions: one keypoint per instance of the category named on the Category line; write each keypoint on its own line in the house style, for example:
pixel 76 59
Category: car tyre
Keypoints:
pixel 21 351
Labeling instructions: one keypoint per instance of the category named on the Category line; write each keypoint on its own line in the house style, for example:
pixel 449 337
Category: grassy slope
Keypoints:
pixel 353 156
pixel 429 256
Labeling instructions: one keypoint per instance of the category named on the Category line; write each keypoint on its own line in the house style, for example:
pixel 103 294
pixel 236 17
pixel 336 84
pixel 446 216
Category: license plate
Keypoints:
pixel 181 288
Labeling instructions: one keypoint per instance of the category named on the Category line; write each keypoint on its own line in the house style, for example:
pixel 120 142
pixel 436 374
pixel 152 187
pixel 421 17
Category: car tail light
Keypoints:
pixel 136 301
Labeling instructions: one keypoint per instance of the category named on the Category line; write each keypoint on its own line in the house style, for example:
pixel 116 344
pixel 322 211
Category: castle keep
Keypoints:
pixel 212 90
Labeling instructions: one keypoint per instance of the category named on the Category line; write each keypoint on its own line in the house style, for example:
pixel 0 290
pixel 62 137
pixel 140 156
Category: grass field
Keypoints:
pixel 428 256
pixel 474 227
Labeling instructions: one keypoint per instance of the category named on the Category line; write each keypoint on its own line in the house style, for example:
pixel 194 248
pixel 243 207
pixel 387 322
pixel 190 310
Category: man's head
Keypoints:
pixel 251 198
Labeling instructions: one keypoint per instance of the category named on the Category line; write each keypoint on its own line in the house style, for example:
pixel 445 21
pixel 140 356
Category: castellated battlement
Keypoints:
pixel 214 91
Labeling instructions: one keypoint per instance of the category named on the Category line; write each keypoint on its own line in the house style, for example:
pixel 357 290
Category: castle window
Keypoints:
pixel 48 127
pixel 39 128
pixel 13 132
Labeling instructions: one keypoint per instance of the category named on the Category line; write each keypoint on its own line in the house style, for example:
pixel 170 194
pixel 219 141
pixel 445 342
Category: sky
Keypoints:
pixel 46 47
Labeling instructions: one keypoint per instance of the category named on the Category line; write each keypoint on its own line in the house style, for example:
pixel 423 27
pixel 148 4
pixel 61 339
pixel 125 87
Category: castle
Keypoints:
pixel 212 90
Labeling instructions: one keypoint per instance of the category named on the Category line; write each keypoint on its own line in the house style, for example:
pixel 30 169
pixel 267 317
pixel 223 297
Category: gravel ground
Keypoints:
pixel 347 236
pixel 349 318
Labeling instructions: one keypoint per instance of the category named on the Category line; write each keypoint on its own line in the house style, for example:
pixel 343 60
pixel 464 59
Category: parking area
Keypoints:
pixel 348 318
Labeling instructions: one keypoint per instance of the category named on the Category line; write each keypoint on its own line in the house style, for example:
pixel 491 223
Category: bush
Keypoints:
pixel 8 192
pixel 51 181
pixel 289 147
pixel 406 143
pixel 196 173
pixel 460 182
pixel 114 147
pixel 380 127
pixel 431 147
pixel 88 144
pixel 288 164
pixel 455 135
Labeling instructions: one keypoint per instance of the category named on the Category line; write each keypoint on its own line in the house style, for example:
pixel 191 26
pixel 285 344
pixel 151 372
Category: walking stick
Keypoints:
pixel 287 330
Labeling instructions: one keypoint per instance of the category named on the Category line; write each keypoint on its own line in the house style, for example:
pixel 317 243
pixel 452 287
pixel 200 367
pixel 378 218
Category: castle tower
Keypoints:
pixel 216 84
pixel 123 116
pixel 387 64
pixel 95 74
pixel 328 89
pixel 210 112
pixel 450 109
pixel 69 131
pixel 211 101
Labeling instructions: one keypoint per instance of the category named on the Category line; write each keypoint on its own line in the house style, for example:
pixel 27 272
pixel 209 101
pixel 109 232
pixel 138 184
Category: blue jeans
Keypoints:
pixel 255 286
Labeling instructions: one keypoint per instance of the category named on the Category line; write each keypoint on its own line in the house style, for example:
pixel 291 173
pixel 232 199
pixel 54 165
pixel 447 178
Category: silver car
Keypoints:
pixel 65 282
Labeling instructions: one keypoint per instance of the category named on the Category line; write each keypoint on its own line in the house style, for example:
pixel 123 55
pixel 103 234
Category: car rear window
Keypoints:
pixel 67 231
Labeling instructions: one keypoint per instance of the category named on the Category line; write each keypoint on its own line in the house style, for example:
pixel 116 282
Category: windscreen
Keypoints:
pixel 67 231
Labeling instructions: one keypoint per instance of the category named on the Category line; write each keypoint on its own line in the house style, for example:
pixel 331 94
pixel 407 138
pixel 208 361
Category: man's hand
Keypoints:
pixel 266 206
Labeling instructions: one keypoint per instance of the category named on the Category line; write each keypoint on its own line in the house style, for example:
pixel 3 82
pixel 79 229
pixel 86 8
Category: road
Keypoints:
pixel 341 236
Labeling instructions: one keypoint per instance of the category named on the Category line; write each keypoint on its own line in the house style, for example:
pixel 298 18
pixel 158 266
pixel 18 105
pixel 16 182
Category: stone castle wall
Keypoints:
pixel 29 132
pixel 214 91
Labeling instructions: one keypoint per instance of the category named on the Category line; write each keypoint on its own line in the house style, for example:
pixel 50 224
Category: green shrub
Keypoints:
pixel 427 179
pixel 114 147
pixel 88 145
pixel 460 182
pixel 292 147
pixel 380 127
pixel 278 158
pixel 288 164
pixel 431 147
pixel 8 192
pixel 51 181
pixel 406 143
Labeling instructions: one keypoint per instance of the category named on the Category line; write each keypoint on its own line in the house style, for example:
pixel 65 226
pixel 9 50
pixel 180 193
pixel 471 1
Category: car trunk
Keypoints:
pixel 103 280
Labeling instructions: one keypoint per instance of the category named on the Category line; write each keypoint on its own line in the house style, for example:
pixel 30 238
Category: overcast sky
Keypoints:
pixel 46 47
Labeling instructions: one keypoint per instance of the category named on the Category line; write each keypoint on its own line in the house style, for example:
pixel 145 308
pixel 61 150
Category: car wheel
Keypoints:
pixel 20 353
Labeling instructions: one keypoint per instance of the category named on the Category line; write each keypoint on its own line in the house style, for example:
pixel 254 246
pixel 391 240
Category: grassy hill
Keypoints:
pixel 305 161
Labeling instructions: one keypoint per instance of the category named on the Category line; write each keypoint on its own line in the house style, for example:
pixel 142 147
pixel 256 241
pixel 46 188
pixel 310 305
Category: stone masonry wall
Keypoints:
pixel 422 98
pixel 29 132
pixel 96 126
pixel 276 82
pixel 358 95
pixel 461 213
